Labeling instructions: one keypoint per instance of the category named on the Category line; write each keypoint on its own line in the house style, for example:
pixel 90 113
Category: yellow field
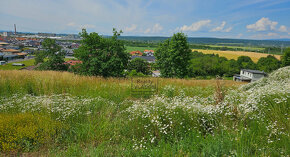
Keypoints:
pixel 235 54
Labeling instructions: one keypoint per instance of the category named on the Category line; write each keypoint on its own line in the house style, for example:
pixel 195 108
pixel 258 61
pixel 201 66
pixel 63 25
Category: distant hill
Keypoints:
pixel 285 39
pixel 216 41
pixel 204 40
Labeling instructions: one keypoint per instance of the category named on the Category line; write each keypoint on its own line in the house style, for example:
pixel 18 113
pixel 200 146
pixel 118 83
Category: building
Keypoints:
pixel 10 57
pixel 156 73
pixel 149 52
pixel 136 53
pixel 247 75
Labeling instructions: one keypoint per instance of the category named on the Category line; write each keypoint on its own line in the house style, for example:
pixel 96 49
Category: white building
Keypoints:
pixel 248 75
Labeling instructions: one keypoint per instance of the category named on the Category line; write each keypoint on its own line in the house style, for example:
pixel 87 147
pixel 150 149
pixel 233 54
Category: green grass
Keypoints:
pixel 9 66
pixel 98 117
pixel 131 48
pixel 240 47
pixel 27 63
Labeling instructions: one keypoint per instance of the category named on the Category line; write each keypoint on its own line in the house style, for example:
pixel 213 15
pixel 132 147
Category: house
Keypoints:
pixel 149 52
pixel 136 53
pixel 73 62
pixel 156 73
pixel 10 51
pixel 149 59
pixel 248 75
pixel 10 57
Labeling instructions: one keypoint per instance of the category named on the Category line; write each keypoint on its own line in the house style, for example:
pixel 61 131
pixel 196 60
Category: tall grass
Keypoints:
pixel 185 118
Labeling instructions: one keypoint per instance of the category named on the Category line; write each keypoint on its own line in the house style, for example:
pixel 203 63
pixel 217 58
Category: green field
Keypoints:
pixel 132 48
pixel 239 47
pixel 9 66
pixel 27 63
pixel 47 113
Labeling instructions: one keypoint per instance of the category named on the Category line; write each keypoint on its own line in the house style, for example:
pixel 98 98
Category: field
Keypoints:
pixel 132 48
pixel 27 63
pixel 235 54
pixel 239 47
pixel 47 113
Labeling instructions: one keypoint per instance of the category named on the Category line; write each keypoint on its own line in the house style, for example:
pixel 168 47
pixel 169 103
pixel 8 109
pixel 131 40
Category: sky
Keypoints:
pixel 245 19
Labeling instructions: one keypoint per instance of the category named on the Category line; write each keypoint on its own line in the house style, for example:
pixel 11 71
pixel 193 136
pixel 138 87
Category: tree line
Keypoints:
pixel 107 57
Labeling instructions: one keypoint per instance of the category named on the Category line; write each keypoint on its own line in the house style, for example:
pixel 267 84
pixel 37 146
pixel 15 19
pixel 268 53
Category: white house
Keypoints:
pixel 248 75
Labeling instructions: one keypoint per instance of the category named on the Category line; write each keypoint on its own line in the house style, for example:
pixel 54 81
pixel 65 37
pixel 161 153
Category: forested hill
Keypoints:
pixel 219 41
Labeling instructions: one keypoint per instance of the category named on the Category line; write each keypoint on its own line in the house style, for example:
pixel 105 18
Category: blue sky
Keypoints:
pixel 247 19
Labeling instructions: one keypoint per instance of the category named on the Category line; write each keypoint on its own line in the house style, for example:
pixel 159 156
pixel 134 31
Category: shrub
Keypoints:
pixel 25 131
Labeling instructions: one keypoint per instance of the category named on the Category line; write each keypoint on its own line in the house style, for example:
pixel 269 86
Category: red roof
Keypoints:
pixel 73 62
pixel 136 53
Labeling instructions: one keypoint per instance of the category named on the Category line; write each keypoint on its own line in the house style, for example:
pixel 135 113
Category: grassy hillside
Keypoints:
pixel 61 114
pixel 235 54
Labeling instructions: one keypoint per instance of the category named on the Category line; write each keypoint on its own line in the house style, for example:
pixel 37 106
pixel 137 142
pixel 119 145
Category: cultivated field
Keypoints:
pixel 235 54
pixel 47 113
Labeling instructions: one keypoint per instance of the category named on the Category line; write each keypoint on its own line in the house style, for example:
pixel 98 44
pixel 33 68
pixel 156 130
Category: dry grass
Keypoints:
pixel 235 54
pixel 51 82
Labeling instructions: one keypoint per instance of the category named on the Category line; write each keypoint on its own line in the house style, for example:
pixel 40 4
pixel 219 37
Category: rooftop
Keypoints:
pixel 254 71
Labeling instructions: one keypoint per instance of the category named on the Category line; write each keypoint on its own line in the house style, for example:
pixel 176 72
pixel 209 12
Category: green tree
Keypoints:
pixel 245 62
pixel 39 57
pixel 55 56
pixel 140 65
pixel 286 57
pixel 101 56
pixel 268 63
pixel 173 56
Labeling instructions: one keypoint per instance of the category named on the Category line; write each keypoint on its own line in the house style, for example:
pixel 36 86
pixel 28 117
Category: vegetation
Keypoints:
pixel 101 56
pixel 140 66
pixel 173 56
pixel 55 56
pixel 91 116
pixel 9 66
pixel 235 54
pixel 268 63
pixel 286 57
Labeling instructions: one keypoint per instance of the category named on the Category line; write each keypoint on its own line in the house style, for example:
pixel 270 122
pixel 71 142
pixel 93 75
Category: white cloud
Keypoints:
pixel 195 26
pixel 219 28
pixel 263 24
pixel 87 26
pixel 71 24
pixel 222 28
pixel 282 28
pixel 78 26
pixel 132 28
pixel 272 34
pixel 157 28
pixel 228 29
pixel 239 35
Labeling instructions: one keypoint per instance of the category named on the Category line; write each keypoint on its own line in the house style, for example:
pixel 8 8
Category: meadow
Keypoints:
pixel 26 63
pixel 134 48
pixel 239 47
pixel 47 113
pixel 235 54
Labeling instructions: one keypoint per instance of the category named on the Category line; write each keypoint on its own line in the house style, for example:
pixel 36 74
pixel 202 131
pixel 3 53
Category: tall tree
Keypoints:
pixel 268 63
pixel 140 65
pixel 245 62
pixel 286 57
pixel 55 56
pixel 173 56
pixel 101 56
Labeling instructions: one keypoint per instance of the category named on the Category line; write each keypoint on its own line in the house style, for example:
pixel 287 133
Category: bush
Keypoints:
pixel 25 131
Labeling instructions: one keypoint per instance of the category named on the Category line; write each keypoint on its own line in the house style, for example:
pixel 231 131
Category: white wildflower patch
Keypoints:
pixel 60 106
pixel 166 115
